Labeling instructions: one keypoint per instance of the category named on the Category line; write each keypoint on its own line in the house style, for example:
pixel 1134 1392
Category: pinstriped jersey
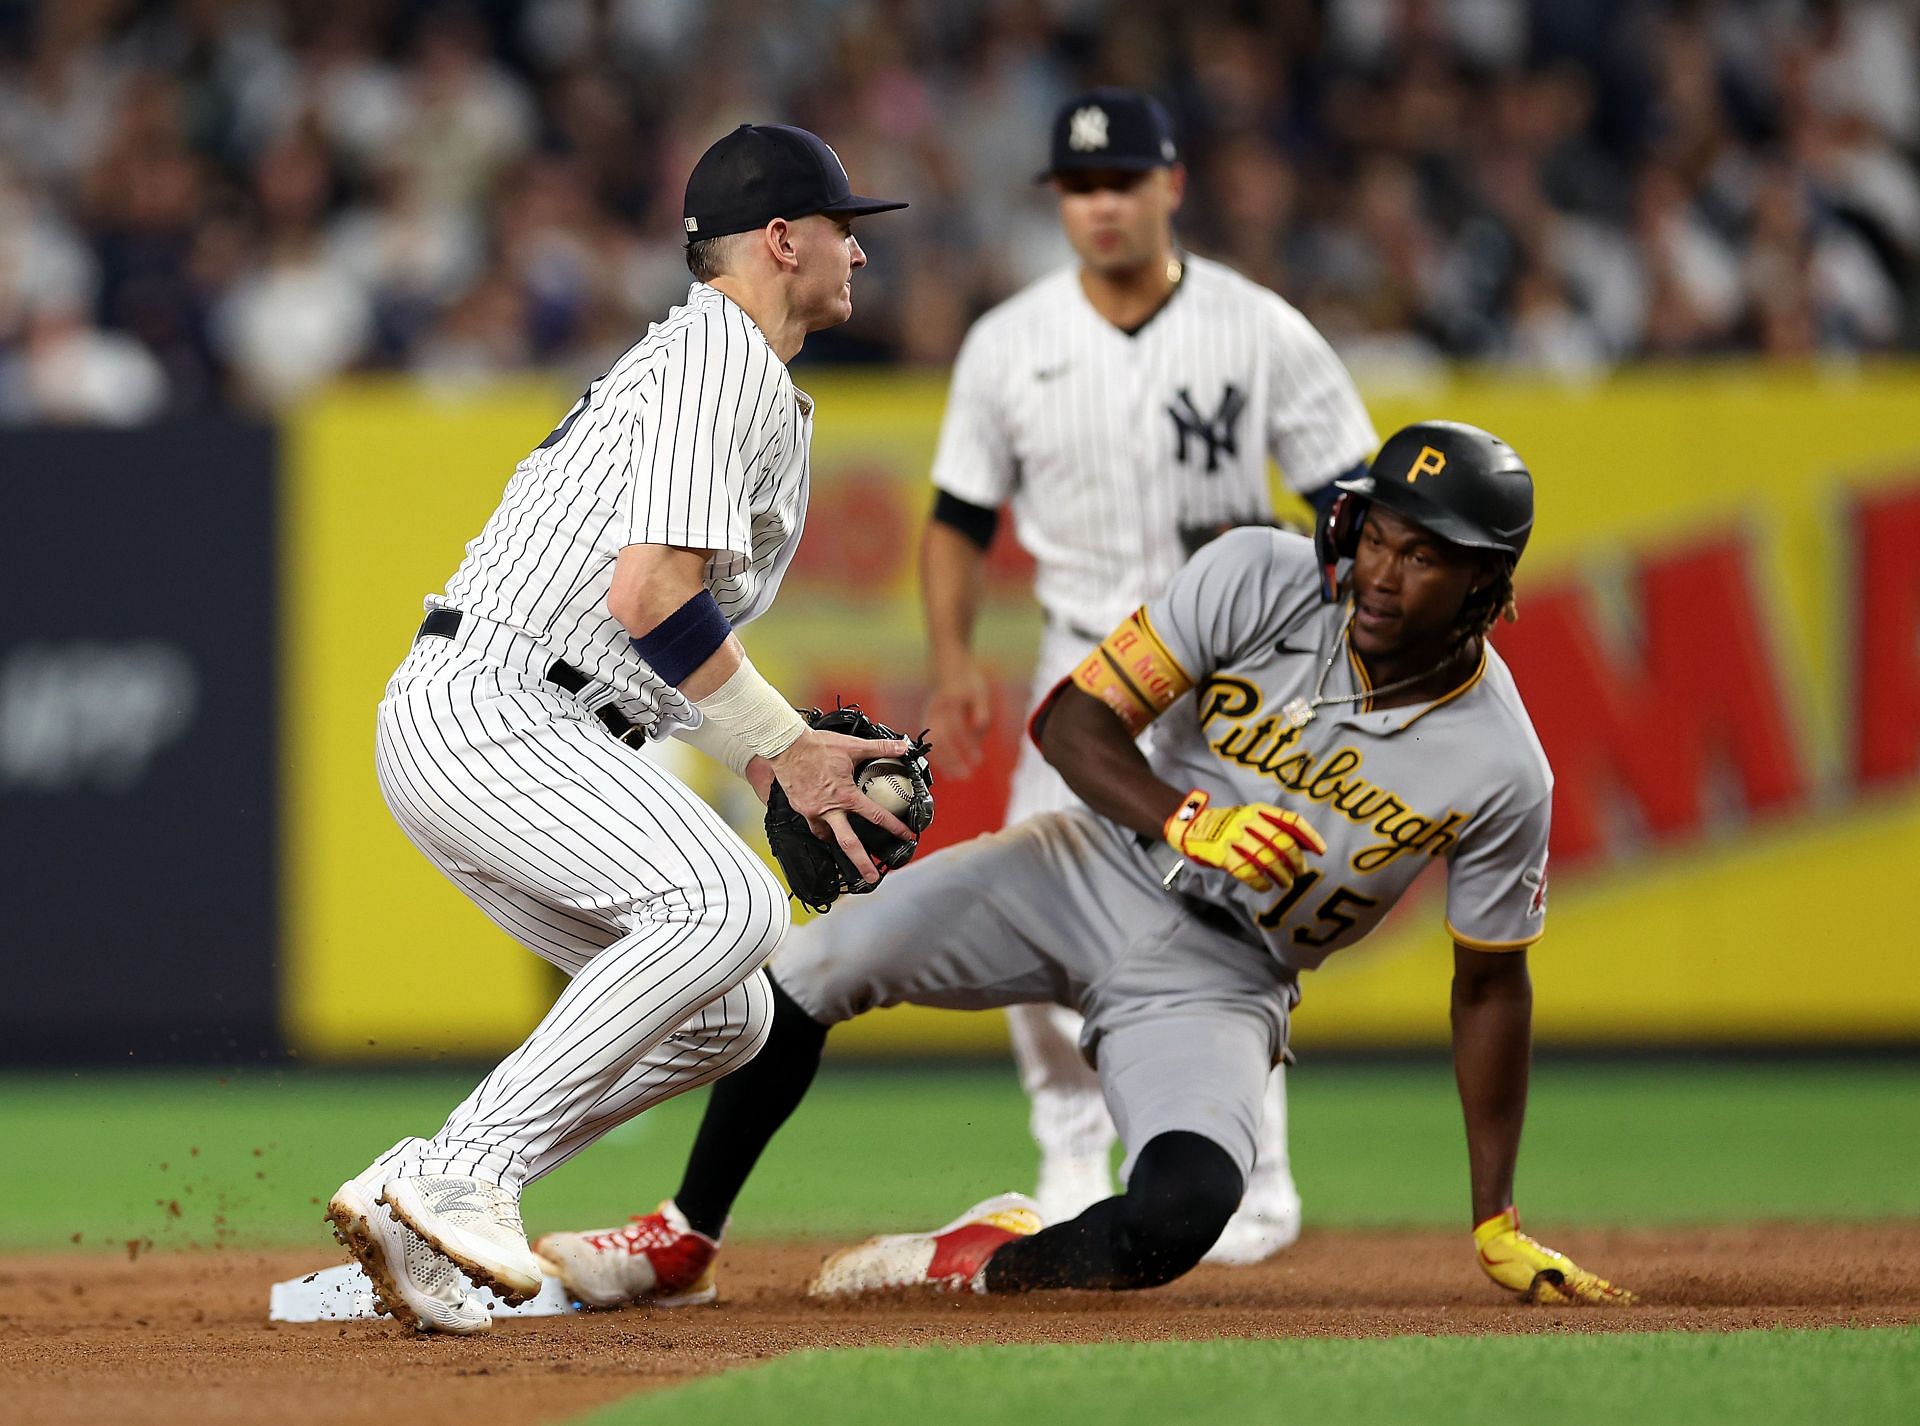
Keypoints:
pixel 1119 452
pixel 1461 781
pixel 696 437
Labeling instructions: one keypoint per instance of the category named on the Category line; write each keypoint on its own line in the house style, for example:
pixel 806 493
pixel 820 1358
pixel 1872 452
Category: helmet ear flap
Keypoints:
pixel 1349 513
pixel 1336 536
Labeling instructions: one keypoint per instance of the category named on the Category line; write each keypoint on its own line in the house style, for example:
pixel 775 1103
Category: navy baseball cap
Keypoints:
pixel 760 172
pixel 1111 129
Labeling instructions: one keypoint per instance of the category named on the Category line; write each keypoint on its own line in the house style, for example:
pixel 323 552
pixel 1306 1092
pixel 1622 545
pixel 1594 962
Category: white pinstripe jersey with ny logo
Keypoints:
pixel 1119 452
pixel 696 437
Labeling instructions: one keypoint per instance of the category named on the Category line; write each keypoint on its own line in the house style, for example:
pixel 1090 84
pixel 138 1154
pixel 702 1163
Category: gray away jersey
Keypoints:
pixel 1461 779
pixel 1114 449
pixel 696 437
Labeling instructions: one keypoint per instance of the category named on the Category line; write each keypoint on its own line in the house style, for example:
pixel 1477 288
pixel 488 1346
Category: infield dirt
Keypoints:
pixel 182 1337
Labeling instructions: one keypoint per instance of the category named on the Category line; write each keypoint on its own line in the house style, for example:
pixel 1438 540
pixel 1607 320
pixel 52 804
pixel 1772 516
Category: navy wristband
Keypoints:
pixel 685 639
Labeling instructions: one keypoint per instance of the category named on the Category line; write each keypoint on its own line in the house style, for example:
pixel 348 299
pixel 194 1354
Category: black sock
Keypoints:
pixel 1181 1192
pixel 745 1111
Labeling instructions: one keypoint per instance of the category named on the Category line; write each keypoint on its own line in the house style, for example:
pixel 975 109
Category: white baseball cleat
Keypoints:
pixel 656 1259
pixel 949 1259
pixel 1268 1221
pixel 411 1282
pixel 475 1223
pixel 1070 1184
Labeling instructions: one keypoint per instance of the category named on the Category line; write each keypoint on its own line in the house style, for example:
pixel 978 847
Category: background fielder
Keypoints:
pixel 1126 409
pixel 600 599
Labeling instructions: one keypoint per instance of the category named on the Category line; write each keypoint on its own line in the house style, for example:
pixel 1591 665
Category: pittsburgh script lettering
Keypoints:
pixel 1268 747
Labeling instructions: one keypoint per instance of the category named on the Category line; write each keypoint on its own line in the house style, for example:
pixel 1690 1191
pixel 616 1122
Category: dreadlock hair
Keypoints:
pixel 1488 605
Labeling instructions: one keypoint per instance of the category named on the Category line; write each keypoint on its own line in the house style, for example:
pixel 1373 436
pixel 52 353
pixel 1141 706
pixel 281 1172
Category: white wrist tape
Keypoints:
pixel 717 743
pixel 751 710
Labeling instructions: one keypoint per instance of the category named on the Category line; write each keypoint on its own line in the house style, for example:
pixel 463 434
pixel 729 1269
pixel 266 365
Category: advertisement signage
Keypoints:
pixel 138 671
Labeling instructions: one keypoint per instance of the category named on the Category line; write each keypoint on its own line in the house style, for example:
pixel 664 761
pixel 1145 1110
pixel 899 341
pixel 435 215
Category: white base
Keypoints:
pixel 343 1294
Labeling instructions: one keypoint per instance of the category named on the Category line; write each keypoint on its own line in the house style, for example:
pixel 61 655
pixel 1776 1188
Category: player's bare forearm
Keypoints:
pixel 951 578
pixel 959 709
pixel 1092 750
pixel 649 583
pixel 759 776
pixel 1492 1044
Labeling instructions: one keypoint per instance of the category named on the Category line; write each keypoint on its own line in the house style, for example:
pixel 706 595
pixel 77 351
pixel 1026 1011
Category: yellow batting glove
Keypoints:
pixel 1536 1271
pixel 1263 845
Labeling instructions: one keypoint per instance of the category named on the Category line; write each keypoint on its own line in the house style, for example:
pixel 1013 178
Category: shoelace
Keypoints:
pixel 632 1237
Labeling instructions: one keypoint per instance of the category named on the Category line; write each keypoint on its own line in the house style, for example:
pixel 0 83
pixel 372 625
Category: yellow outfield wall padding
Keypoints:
pixel 384 487
pixel 1774 924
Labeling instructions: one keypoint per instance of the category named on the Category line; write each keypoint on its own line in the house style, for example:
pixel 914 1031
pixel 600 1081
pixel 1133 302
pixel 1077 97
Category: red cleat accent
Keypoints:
pixel 655 1259
pixel 958 1255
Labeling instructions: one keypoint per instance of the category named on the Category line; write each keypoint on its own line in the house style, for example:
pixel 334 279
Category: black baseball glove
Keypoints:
pixel 817 871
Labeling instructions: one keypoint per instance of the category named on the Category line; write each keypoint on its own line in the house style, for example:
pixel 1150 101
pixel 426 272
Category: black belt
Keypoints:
pixel 1210 914
pixel 1216 917
pixel 445 623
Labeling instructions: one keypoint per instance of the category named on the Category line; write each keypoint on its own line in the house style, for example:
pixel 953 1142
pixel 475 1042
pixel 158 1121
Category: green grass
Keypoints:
pixel 1674 1379
pixel 248 1158
pixel 197 1158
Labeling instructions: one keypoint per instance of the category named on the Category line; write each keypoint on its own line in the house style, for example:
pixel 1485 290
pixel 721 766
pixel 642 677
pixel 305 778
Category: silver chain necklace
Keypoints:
pixel 1300 711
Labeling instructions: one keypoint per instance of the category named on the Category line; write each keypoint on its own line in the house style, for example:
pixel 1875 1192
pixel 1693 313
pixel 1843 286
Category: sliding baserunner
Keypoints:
pixel 1316 723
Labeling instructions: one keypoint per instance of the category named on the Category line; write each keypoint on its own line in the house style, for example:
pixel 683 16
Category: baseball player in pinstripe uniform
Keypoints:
pixel 594 612
pixel 1126 408
pixel 1317 724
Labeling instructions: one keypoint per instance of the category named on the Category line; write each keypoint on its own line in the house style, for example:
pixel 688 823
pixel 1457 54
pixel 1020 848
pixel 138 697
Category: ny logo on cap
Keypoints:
pixel 1087 129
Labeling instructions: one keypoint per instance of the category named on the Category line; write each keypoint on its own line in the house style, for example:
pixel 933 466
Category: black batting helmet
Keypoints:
pixel 1466 485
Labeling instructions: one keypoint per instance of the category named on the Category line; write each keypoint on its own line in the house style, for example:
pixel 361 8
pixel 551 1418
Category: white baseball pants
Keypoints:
pixel 594 859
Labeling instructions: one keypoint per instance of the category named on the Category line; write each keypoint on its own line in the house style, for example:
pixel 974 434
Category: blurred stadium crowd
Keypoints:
pixel 211 201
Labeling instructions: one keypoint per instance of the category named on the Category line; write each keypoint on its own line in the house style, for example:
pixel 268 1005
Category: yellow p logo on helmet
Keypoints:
pixel 1428 462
